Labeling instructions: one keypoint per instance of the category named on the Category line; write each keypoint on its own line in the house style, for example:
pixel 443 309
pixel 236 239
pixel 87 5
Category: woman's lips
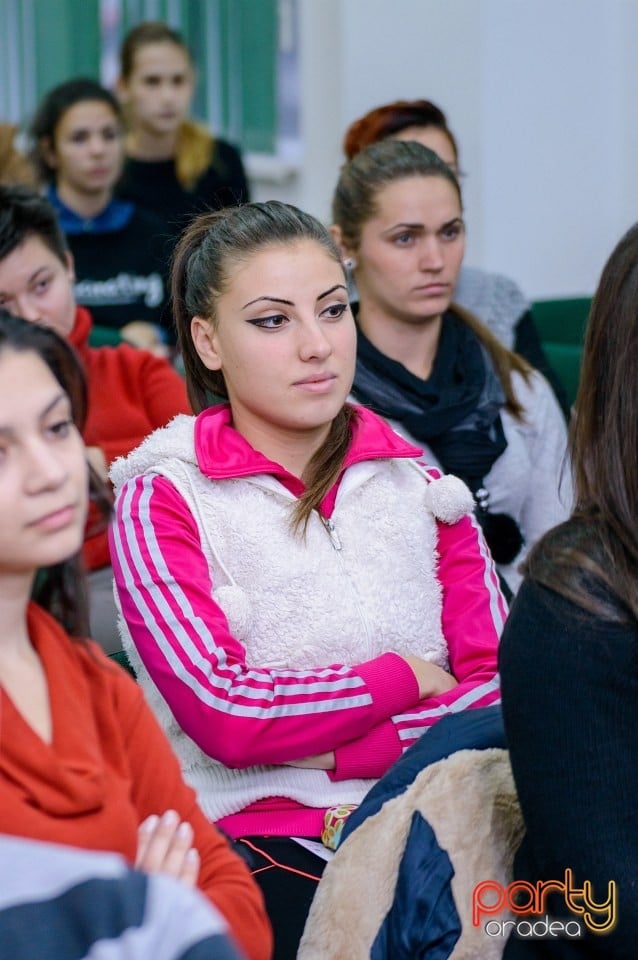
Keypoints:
pixel 434 289
pixel 56 520
pixel 317 383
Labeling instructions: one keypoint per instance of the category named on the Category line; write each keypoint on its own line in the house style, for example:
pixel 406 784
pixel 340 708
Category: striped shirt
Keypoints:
pixel 57 903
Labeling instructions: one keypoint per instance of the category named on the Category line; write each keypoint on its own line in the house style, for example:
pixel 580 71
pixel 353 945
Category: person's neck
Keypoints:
pixel 413 344
pixel 85 205
pixel 146 145
pixel 292 450
pixel 15 592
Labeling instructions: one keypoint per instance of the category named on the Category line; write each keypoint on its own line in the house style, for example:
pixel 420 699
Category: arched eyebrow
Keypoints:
pixel 404 226
pixel 290 303
pixel 420 228
pixel 268 299
pixel 337 286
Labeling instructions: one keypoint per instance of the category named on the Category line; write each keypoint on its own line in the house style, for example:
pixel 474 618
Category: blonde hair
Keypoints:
pixel 194 153
pixel 195 147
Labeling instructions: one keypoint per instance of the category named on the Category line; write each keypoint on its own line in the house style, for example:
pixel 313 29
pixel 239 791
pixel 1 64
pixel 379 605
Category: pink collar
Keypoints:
pixel 222 452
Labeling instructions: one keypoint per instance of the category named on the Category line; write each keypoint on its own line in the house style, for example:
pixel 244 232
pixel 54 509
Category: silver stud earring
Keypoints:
pixel 349 263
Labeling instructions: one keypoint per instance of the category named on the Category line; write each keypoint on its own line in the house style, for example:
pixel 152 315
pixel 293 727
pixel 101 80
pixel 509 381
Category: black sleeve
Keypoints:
pixel 229 166
pixel 570 705
pixel 528 343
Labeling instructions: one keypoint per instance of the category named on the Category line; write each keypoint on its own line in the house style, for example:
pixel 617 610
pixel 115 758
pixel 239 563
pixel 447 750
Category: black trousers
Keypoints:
pixel 288 875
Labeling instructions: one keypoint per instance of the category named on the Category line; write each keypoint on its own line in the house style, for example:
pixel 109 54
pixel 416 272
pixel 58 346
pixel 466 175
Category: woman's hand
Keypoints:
pixel 432 680
pixel 145 336
pixel 165 845
pixel 321 761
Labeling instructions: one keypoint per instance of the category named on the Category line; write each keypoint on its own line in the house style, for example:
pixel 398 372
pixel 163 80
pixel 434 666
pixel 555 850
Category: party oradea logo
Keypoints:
pixel 527 903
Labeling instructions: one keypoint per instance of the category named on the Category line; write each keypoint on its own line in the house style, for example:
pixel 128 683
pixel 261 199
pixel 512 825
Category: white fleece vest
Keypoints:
pixel 362 584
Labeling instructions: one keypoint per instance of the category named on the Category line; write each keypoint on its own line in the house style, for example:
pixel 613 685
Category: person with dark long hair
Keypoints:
pixel 301 598
pixel 82 759
pixel 569 653
pixel 431 367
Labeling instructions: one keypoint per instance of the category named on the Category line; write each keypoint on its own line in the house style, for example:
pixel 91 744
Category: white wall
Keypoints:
pixel 543 97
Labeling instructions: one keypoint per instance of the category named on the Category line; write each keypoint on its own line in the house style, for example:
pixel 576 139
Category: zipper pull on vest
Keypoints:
pixel 332 532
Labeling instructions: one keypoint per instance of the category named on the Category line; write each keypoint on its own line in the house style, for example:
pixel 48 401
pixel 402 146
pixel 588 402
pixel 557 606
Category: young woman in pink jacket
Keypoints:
pixel 301 597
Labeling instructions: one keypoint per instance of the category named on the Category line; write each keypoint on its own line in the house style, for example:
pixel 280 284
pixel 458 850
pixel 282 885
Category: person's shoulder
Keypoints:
pixel 147 220
pixel 133 361
pixel 106 681
pixel 536 396
pixel 142 179
pixel 529 384
pixel 173 442
pixel 476 284
pixel 227 150
pixel 110 360
pixel 583 594
pixel 225 173
pixel 373 437
pixel 105 672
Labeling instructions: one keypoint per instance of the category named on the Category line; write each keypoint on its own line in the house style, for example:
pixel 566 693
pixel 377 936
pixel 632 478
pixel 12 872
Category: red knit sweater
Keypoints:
pixel 131 393
pixel 108 767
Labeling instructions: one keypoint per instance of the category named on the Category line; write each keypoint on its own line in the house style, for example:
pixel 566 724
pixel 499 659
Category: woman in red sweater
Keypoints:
pixel 130 391
pixel 82 761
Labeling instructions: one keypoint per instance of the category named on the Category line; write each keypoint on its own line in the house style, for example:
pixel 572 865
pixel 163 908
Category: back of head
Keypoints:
pixel 25 213
pixel 605 431
pixel 391 119
pixel 372 169
pixel 52 108
pixel 205 256
pixel 601 541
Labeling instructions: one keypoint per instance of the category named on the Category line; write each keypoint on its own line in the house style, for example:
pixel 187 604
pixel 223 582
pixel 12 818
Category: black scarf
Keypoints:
pixel 455 412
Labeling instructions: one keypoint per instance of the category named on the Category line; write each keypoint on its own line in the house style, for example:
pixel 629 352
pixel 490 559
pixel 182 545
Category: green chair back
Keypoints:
pixel 104 336
pixel 121 658
pixel 562 321
pixel 561 326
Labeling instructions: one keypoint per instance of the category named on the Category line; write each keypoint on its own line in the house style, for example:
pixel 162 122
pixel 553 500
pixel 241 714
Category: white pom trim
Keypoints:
pixel 449 498
pixel 237 607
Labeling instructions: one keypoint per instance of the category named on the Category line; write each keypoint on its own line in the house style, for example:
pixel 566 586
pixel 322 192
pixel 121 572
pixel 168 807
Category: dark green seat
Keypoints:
pixel 565 360
pixel 561 326
pixel 121 658
pixel 104 336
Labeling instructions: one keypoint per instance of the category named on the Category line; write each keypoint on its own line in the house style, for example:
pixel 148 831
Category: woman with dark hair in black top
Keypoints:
pixel 569 653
